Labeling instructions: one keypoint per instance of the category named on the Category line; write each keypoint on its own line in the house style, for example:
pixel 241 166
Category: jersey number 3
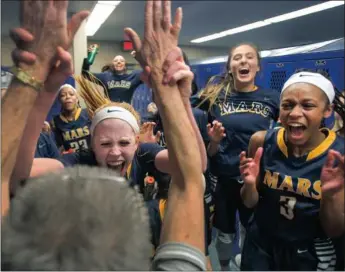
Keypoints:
pixel 287 205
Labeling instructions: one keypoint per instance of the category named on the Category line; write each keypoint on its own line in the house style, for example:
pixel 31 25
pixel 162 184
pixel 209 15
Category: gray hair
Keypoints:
pixel 80 219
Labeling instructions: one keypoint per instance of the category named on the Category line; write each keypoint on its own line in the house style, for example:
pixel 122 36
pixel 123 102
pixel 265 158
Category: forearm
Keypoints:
pixel 16 107
pixel 200 141
pixel 31 134
pixel 183 221
pixel 184 216
pixel 249 195
pixel 212 148
pixel 179 133
pixel 332 214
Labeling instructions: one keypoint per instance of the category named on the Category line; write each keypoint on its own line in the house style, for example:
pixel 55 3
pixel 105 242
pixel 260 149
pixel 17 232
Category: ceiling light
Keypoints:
pixel 305 11
pixel 99 14
pixel 277 19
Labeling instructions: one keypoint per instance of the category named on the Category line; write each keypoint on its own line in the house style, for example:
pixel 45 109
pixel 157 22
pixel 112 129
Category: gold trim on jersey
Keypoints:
pixel 76 116
pixel 324 146
pixel 162 207
pixel 281 142
pixel 128 172
pixel 317 151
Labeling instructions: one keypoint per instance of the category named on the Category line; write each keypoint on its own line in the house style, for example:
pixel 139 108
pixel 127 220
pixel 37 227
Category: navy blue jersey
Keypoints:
pixel 46 147
pixel 200 117
pixel 242 114
pixel 290 188
pixel 120 88
pixel 72 134
pixel 143 162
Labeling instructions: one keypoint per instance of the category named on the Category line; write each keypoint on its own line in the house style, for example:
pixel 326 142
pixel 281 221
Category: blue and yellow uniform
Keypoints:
pixel 286 233
pixel 120 88
pixel 143 162
pixel 242 114
pixel 72 134
pixel 46 147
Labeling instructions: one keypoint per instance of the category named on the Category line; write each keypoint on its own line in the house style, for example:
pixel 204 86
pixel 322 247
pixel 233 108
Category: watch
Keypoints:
pixel 26 78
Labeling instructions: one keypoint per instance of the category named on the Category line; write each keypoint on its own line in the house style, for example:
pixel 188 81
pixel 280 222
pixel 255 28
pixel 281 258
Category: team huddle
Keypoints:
pixel 265 156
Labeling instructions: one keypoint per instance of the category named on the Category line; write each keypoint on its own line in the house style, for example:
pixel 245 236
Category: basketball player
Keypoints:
pixel 118 84
pixel 294 177
pixel 242 108
pixel 71 126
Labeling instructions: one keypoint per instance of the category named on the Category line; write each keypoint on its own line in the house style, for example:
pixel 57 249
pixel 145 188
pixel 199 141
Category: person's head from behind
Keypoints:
pixel 68 98
pixel 115 131
pixel 306 100
pixel 243 64
pixel 119 64
pixel 80 219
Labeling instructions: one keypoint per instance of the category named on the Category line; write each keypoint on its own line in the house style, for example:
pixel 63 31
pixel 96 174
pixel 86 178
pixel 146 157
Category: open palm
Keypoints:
pixel 332 175
pixel 250 167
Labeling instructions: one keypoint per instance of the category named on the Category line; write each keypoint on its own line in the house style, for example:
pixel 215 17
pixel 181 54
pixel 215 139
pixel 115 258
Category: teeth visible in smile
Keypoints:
pixel 295 125
pixel 115 163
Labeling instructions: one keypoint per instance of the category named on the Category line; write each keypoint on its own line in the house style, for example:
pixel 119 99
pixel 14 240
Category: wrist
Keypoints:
pixel 35 70
pixel 213 142
pixel 249 186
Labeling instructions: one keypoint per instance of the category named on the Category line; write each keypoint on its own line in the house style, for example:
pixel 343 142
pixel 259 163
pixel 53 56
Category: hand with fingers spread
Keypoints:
pixel 250 167
pixel 62 68
pixel 43 30
pixel 332 174
pixel 216 132
pixel 147 135
pixel 160 36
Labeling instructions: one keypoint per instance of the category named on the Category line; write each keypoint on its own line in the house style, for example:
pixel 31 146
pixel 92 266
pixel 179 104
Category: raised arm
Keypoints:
pixel 250 169
pixel 58 67
pixel 183 221
pixel 332 201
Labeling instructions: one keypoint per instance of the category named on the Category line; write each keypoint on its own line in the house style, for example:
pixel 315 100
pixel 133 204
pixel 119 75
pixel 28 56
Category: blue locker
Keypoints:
pixel 333 67
pixel 276 74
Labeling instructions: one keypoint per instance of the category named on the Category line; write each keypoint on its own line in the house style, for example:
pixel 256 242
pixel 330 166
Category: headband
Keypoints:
pixel 115 113
pixel 68 86
pixel 315 79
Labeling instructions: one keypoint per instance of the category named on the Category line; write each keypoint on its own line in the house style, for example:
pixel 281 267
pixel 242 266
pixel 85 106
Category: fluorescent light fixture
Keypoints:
pixel 276 19
pixel 215 60
pixel 99 14
pixel 305 11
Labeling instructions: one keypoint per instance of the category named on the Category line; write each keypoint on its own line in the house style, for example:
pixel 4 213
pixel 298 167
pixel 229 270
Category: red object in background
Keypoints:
pixel 127 46
pixel 69 151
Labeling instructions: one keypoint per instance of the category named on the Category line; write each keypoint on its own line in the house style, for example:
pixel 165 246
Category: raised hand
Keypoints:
pixel 46 21
pixel 250 167
pixel 332 177
pixel 160 35
pixel 216 131
pixel 58 73
pixel 147 135
pixel 177 72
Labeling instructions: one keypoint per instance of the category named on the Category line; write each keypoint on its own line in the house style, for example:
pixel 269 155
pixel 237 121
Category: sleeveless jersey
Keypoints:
pixel 290 188
pixel 72 134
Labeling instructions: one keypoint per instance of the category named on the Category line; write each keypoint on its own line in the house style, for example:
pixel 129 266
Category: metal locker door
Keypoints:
pixel 276 74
